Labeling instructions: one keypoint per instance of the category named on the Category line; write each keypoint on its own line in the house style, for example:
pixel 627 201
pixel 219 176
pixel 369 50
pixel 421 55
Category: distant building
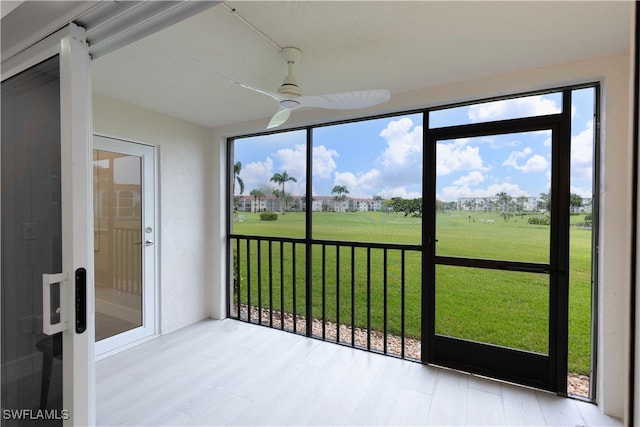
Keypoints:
pixel 493 204
pixel 271 203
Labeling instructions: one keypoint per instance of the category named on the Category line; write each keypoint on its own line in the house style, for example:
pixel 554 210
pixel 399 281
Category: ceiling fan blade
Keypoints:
pixel 279 118
pixel 238 82
pixel 346 100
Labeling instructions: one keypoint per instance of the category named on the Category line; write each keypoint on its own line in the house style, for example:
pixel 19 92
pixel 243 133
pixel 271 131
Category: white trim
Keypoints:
pixel 77 222
pixel 45 19
pixel 39 52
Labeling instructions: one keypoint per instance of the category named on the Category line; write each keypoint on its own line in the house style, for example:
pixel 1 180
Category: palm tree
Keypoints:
pixel 257 195
pixel 236 177
pixel 341 193
pixel 281 178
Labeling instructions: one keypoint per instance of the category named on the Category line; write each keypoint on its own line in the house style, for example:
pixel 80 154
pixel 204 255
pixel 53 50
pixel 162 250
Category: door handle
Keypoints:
pixel 81 300
pixel 146 243
pixel 49 328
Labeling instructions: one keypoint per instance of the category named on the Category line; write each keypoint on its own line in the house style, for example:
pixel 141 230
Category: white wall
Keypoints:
pixel 184 229
pixel 615 189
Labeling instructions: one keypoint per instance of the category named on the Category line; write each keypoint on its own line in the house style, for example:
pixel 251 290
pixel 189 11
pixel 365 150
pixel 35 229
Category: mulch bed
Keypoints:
pixel 577 385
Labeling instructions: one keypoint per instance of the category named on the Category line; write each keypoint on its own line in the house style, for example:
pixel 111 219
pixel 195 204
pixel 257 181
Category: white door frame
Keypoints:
pixel 77 222
pixel 149 326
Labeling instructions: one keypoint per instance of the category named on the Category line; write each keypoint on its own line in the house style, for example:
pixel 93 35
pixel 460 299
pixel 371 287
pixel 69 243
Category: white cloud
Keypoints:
pixel 535 163
pixel 473 178
pixel 399 192
pixel 511 108
pixel 293 161
pixel 256 174
pixel 361 184
pixel 453 192
pixel 513 190
pixel 457 156
pixel 323 161
pixel 404 145
pixel 582 153
pixel 397 168
pixel 582 192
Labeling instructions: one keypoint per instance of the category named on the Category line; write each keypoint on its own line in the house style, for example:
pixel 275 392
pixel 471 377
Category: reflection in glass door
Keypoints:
pixel 31 239
pixel 117 244
pixel 123 242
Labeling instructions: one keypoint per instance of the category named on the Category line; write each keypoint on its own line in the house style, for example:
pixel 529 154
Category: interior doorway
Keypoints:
pixel 124 242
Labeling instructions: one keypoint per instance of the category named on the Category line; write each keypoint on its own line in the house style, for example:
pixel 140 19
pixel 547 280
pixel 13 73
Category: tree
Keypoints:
pixel 236 177
pixel 282 178
pixel 505 200
pixel 408 206
pixel 257 195
pixel 288 198
pixel 545 201
pixel 522 200
pixel 340 192
pixel 377 202
pixel 575 202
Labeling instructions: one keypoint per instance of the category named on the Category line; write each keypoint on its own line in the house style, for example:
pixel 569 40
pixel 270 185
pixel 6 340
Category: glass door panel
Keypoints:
pixel 494 270
pixel 31 241
pixel 493 307
pixel 498 189
pixel 118 242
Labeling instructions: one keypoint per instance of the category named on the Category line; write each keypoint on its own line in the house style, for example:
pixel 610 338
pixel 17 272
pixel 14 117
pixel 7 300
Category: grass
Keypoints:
pixel 497 307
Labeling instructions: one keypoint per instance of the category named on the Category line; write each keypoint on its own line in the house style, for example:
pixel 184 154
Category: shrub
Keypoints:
pixel 268 216
pixel 539 220
pixel 588 218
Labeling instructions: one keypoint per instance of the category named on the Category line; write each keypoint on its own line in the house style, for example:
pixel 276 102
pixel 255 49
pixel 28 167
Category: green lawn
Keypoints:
pixel 498 307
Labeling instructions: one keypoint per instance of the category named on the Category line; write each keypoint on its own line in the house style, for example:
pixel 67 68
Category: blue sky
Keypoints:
pixel 384 156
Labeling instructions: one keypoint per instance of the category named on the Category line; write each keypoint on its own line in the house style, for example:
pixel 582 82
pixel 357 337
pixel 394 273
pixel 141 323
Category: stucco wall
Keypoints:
pixel 615 188
pixel 184 251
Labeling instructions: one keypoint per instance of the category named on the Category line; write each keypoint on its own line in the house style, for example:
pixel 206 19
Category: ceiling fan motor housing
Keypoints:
pixel 289 86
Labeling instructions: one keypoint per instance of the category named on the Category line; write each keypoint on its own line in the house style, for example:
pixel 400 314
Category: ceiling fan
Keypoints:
pixel 289 96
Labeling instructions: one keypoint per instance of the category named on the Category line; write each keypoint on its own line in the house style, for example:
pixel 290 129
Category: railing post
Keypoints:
pixel 308 290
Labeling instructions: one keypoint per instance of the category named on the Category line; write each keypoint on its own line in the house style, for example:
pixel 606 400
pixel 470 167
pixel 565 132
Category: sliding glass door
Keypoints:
pixel 47 328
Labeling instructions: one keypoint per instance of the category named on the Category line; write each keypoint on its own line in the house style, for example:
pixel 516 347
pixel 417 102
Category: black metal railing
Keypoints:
pixel 127 260
pixel 363 295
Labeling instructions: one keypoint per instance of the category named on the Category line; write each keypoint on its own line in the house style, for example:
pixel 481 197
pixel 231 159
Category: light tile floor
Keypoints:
pixel 232 373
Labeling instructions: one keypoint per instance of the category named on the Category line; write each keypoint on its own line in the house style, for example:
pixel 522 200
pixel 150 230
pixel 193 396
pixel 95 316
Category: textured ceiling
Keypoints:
pixel 392 45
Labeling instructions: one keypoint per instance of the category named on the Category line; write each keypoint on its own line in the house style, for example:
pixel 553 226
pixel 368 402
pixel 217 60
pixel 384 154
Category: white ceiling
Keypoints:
pixel 357 45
